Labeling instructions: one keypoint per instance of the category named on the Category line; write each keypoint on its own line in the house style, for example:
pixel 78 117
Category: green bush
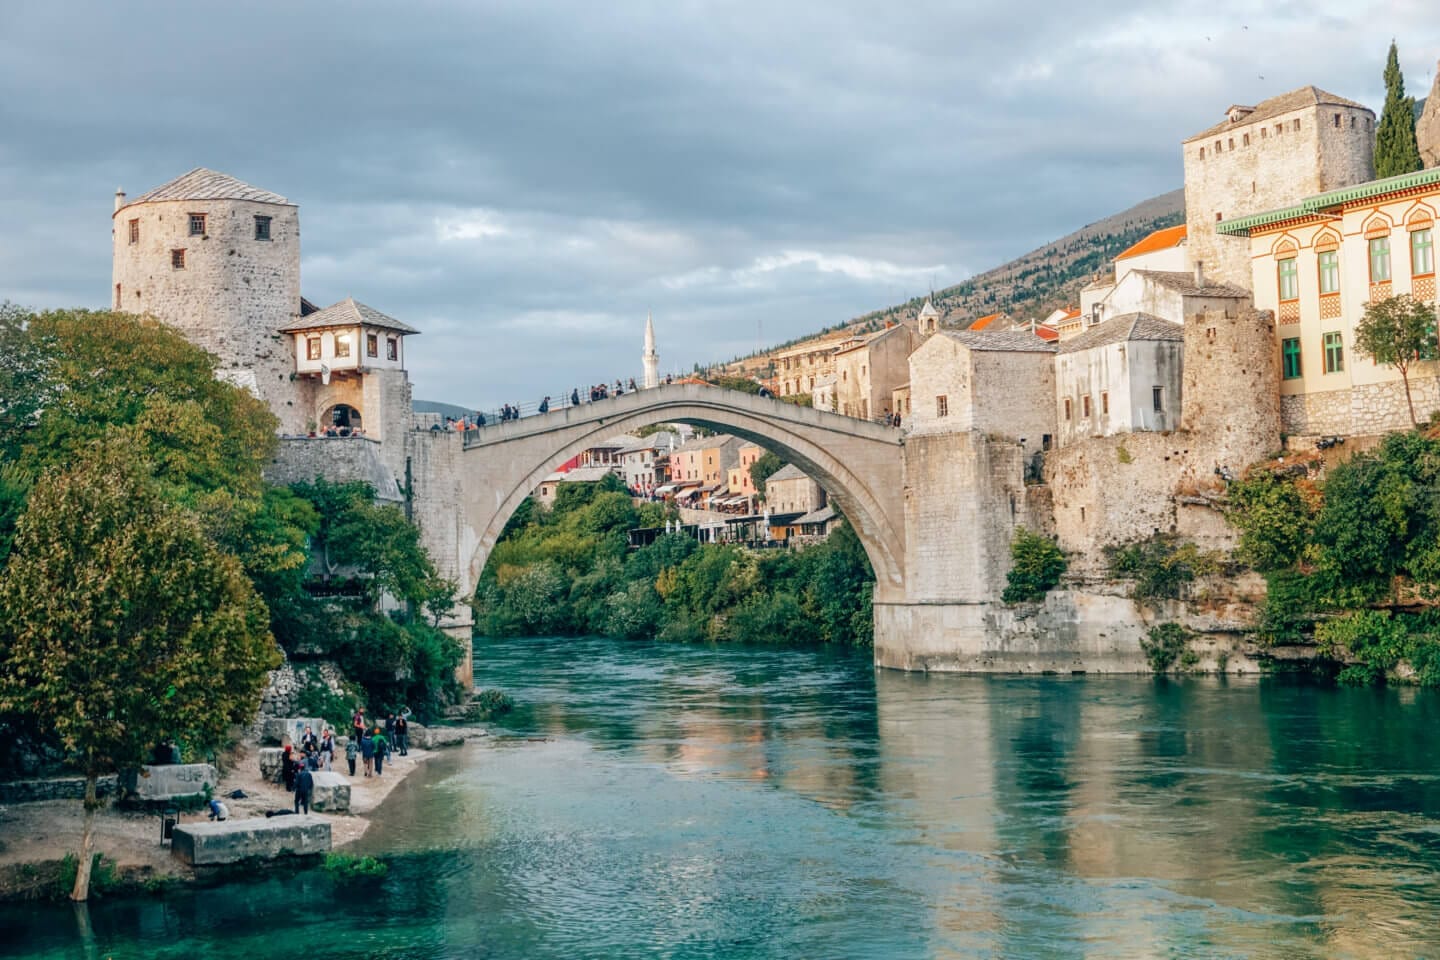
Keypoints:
pixel 490 705
pixel 103 874
pixel 1037 564
pixel 1165 644
pixel 1161 566
pixel 348 867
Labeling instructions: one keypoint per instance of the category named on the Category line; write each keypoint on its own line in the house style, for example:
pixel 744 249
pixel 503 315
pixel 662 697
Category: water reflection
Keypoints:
pixel 694 802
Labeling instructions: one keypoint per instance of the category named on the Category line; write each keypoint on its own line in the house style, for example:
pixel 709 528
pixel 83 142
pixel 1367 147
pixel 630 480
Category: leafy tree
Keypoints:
pixel 1036 567
pixel 1397 331
pixel 1274 517
pixel 1396 151
pixel 762 469
pixel 121 623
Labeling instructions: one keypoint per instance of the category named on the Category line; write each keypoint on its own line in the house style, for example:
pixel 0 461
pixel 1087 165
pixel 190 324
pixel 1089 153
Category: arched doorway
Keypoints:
pixel 342 420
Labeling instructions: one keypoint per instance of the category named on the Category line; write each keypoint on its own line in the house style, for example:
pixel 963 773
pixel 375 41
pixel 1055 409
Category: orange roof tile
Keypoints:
pixel 1071 313
pixel 1047 334
pixel 984 321
pixel 1159 240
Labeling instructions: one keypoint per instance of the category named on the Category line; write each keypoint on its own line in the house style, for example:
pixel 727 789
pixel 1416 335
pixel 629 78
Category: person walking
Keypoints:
pixel 357 725
pixel 575 397
pixel 545 404
pixel 352 750
pixel 382 749
pixel 402 735
pixel 390 728
pixel 367 752
pixel 304 787
pixel 327 749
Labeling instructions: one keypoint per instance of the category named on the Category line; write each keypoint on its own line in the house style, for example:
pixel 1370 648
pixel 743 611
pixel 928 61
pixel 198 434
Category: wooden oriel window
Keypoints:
pixel 177 259
pixel 134 231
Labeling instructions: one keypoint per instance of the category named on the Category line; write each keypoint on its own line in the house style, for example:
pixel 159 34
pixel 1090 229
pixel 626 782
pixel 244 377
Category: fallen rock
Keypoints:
pixel 332 792
pixel 272 763
pixel 430 738
pixel 170 781
pixel 280 729
pixel 204 844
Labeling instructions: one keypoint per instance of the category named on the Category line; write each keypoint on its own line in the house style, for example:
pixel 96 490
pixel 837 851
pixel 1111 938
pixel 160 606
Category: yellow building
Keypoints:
pixel 1317 265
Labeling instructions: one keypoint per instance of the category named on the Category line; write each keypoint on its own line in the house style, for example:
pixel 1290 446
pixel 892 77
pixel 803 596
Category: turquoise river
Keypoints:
pixel 685 802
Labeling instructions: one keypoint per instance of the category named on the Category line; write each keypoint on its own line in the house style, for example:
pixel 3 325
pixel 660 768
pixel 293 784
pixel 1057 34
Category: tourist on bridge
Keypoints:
pixel 545 404
pixel 304 787
pixel 575 397
pixel 633 388
pixel 479 418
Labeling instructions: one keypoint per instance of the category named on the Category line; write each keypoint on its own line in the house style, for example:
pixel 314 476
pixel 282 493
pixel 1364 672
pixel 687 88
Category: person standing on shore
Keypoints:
pixel 402 735
pixel 382 748
pixel 287 766
pixel 327 749
pixel 352 750
pixel 367 751
pixel 357 725
pixel 304 787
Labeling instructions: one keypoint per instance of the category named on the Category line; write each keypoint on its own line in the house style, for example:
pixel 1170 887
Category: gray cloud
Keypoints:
pixel 524 180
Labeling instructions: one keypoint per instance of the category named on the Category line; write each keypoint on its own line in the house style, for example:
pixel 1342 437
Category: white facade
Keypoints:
pixel 1122 376
pixel 650 358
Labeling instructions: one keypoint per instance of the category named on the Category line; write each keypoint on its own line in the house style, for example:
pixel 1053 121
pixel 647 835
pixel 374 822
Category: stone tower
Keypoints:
pixel 650 358
pixel 929 319
pixel 1265 157
pixel 219 260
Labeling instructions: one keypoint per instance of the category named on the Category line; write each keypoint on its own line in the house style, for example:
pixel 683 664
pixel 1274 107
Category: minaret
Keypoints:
pixel 650 358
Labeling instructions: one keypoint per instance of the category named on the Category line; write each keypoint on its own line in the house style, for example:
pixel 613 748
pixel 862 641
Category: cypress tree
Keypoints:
pixel 1396 151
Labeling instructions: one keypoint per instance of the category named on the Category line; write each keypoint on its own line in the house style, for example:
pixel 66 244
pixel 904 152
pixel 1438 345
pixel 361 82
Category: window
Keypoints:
pixel 197 224
pixel 177 259
pixel 1104 402
pixel 942 406
pixel 1230 144
pixel 342 345
pixel 1422 253
pixel 1157 398
pixel 1379 259
pixel 117 296
pixel 1279 129
pixel 134 231
pixel 1297 124
pixel 1067 408
pixel 1245 140
pixel 1334 353
pixel 1290 358
pixel 1218 146
pixel 1202 153
pixel 372 345
pixel 1264 132
pixel 1329 272
pixel 312 348
pixel 1085 406
pixel 1289 279
pixel 1337 121
pixel 262 228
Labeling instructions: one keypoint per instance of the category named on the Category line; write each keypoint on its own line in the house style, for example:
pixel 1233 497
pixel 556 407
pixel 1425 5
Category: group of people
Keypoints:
pixel 369 743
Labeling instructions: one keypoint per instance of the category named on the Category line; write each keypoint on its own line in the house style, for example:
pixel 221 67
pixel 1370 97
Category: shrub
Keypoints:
pixel 103 874
pixel 489 705
pixel 1375 638
pixel 1036 566
pixel 347 866
pixel 1165 644
pixel 1161 566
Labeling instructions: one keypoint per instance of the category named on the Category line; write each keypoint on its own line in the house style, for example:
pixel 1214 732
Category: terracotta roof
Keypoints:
pixel 1183 281
pixel 1129 326
pixel 1048 334
pixel 347 313
pixel 984 321
pixel 1276 106
pixel 1166 239
pixel 1071 313
pixel 203 184
pixel 1004 341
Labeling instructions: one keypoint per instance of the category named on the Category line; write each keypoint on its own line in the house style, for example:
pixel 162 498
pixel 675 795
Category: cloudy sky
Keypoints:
pixel 524 180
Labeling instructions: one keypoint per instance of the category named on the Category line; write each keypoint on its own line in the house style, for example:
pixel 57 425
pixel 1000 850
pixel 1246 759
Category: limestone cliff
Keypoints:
pixel 1427 128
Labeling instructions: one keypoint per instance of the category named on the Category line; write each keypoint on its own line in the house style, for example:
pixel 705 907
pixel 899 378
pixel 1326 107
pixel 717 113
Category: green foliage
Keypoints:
pixel 1161 566
pixel 569 571
pixel 1123 455
pixel 1274 518
pixel 315 699
pixel 743 384
pixel 1396 332
pixel 490 705
pixel 1165 644
pixel 1289 614
pixel 1036 566
pixel 347 867
pixel 104 875
pixel 1396 150
pixel 762 469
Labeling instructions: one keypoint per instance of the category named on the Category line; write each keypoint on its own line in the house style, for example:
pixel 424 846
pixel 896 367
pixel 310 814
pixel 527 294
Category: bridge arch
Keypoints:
pixel 858 463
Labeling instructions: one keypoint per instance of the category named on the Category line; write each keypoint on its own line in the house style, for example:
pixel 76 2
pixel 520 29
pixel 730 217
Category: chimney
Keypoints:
pixel 119 197
pixel 1200 274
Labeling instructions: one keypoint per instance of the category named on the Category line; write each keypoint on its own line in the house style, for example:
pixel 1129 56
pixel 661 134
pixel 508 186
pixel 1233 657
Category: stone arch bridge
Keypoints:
pixel 860 464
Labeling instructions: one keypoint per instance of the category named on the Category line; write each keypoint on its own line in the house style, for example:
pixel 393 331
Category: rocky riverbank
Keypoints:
pixel 36 836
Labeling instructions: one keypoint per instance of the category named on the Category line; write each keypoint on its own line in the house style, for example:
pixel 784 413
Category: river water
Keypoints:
pixel 690 802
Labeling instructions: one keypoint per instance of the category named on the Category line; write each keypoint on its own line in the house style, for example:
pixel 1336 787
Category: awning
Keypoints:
pixel 665 489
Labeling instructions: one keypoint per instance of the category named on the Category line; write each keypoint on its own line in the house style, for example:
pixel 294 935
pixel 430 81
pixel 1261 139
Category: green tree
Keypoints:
pixel 1396 151
pixel 122 623
pixel 762 469
pixel 1036 566
pixel 1398 331
pixel 1274 518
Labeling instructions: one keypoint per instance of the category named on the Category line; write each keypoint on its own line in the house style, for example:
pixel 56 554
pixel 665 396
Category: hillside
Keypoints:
pixel 1031 285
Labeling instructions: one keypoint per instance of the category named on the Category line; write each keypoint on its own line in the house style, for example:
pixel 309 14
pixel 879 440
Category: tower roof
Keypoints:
pixel 1309 96
pixel 347 313
pixel 929 309
pixel 205 184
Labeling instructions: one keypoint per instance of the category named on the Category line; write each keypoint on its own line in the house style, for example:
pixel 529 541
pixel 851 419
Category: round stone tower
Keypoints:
pixel 219 260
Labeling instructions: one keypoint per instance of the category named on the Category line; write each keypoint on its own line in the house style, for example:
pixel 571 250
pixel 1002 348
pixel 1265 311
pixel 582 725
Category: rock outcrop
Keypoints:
pixel 1427 129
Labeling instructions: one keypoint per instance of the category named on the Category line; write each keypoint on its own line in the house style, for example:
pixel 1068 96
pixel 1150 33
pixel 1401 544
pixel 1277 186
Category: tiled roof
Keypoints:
pixel 347 313
pixel 1005 341
pixel 1048 334
pixel 1310 206
pixel 706 443
pixel 1276 106
pixel 787 472
pixel 823 515
pixel 1166 239
pixel 929 309
pixel 1183 282
pixel 203 184
pixel 1129 326
pixel 984 321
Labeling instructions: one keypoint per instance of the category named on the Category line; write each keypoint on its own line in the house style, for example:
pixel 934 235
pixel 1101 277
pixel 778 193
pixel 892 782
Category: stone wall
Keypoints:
pixel 231 297
pixel 281 697
pixel 337 459
pixel 58 788
pixel 1362 409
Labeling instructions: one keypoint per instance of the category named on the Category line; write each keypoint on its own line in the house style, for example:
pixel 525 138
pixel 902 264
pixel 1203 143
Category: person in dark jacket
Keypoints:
pixel 382 750
pixel 287 767
pixel 402 735
pixel 304 787
pixel 367 752
pixel 352 750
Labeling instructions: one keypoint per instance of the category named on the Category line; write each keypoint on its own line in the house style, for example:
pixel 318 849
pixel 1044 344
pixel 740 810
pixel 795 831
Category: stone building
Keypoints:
pixel 1000 383
pixel 799 369
pixel 869 372
pixel 1316 265
pixel 789 492
pixel 1268 156
pixel 1120 376
pixel 639 461
pixel 1163 249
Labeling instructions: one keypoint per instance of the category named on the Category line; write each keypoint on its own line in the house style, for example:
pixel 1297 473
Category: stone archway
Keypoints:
pixel 858 463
